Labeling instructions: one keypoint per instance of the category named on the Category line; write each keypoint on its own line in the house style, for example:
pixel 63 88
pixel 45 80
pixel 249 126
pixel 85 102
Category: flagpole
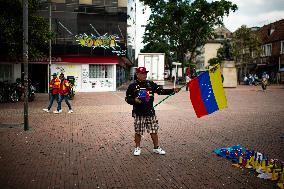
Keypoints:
pixel 167 97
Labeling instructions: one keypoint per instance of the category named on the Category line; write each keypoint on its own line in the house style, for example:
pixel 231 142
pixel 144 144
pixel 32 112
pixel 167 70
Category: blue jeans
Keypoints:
pixel 65 97
pixel 52 98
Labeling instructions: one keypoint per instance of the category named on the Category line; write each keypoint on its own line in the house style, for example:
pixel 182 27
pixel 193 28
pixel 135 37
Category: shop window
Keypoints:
pixel 100 71
pixel 6 72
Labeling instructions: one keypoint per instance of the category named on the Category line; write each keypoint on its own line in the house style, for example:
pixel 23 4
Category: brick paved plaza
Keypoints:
pixel 92 148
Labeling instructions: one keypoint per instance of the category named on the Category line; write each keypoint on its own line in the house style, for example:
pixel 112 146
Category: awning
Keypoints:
pixel 77 60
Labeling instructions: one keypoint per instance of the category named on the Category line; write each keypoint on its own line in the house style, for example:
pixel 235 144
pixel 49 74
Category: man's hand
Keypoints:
pixel 137 100
pixel 177 90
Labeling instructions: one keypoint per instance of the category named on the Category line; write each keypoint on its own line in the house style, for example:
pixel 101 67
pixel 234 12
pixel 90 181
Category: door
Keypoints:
pixel 155 67
pixel 148 66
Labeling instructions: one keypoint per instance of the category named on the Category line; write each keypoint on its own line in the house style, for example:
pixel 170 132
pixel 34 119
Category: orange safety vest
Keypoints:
pixel 54 85
pixel 64 87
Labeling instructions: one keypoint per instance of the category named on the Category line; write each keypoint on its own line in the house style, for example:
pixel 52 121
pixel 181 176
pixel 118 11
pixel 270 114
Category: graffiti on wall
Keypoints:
pixel 101 83
pixel 85 75
pixel 105 41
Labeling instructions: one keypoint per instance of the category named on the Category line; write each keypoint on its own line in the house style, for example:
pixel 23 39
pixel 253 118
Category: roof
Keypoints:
pixel 271 32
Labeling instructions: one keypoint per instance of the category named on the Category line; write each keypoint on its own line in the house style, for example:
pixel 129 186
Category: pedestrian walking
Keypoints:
pixel 187 80
pixel 140 94
pixel 54 86
pixel 264 81
pixel 63 94
pixel 278 78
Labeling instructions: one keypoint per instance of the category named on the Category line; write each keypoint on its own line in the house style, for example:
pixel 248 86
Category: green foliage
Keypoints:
pixel 225 52
pixel 11 40
pixel 180 26
pixel 214 61
pixel 245 42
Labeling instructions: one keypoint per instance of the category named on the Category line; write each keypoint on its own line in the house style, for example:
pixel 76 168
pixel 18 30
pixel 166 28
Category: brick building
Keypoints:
pixel 272 58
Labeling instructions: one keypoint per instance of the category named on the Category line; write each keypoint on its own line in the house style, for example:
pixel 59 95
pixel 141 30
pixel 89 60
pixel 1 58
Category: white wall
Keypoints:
pixel 82 81
pixel 141 20
pixel 17 72
pixel 210 52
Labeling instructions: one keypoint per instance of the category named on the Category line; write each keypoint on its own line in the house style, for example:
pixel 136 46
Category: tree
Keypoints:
pixel 246 46
pixel 225 52
pixel 214 61
pixel 183 26
pixel 11 33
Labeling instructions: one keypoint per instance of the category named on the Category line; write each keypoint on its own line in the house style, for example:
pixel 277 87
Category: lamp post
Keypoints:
pixel 49 64
pixel 26 62
pixel 176 64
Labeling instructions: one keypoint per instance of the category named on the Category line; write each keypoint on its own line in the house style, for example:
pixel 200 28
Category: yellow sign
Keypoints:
pixel 101 41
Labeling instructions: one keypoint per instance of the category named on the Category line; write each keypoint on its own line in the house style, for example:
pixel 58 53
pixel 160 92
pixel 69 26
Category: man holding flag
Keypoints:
pixel 140 94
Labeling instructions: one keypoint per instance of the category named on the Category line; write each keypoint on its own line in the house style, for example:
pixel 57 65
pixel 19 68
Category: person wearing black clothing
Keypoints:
pixel 140 94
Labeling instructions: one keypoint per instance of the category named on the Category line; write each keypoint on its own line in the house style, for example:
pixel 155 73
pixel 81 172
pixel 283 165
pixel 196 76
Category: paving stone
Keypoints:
pixel 92 147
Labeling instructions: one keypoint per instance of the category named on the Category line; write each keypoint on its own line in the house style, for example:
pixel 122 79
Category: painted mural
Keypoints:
pixel 105 41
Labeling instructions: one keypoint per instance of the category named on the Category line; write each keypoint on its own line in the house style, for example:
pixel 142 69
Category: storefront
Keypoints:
pixel 9 72
pixel 92 74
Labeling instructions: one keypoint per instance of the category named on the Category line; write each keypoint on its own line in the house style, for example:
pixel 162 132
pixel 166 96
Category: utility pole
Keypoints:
pixel 49 64
pixel 26 62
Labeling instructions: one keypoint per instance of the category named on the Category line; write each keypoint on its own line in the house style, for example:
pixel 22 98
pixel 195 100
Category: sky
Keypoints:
pixel 254 13
pixel 250 13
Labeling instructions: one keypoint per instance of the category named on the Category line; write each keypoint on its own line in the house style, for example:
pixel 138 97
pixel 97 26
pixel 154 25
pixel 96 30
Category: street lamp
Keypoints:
pixel 176 64
pixel 49 63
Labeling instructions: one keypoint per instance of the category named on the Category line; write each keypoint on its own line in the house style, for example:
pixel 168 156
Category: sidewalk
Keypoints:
pixel 92 148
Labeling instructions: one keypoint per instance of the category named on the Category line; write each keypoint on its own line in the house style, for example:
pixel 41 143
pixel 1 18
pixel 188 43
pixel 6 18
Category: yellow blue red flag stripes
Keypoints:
pixel 207 94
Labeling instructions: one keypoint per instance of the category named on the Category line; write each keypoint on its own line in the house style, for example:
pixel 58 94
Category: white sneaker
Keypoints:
pixel 56 112
pixel 159 151
pixel 60 111
pixel 46 110
pixel 70 111
pixel 137 151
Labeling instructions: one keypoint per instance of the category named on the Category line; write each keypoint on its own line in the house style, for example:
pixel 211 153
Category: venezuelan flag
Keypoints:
pixel 207 94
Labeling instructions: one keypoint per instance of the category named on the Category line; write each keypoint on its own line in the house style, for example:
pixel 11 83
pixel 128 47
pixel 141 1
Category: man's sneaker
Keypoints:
pixel 56 112
pixel 137 151
pixel 46 110
pixel 70 111
pixel 60 111
pixel 159 151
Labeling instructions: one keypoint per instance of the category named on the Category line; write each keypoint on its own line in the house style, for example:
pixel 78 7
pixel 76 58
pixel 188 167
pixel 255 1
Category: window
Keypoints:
pixel 6 72
pixel 282 47
pixel 266 50
pixel 100 71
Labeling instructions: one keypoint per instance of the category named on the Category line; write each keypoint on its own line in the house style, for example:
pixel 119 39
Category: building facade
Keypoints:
pixel 138 15
pixel 272 58
pixel 209 50
pixel 90 44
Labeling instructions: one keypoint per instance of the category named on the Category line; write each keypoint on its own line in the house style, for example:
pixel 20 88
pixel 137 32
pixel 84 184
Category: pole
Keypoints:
pixel 25 62
pixel 175 76
pixel 167 97
pixel 279 63
pixel 49 64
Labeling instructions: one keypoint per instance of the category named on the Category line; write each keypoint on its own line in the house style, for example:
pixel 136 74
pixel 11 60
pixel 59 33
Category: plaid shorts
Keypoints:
pixel 145 122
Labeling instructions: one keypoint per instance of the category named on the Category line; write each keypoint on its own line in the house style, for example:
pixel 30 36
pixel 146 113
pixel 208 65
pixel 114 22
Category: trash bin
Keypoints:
pixel 71 80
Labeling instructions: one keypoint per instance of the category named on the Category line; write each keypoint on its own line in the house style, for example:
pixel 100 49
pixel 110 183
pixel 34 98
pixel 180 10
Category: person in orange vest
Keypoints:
pixel 63 94
pixel 54 91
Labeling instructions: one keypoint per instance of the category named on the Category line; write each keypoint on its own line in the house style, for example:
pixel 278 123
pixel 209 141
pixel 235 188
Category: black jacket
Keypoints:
pixel 146 107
